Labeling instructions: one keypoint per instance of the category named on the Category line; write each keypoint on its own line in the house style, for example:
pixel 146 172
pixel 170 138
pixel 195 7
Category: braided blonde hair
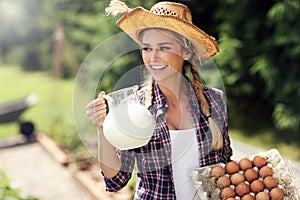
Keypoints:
pixel 217 137
pixel 149 92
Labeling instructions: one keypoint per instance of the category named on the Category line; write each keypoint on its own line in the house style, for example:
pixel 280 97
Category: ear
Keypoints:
pixel 187 55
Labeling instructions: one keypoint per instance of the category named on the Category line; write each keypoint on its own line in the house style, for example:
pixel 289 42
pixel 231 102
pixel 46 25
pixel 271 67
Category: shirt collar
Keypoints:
pixel 159 98
pixel 159 101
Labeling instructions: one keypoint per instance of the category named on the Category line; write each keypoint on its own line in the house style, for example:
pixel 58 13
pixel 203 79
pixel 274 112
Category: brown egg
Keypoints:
pixel 257 186
pixel 242 189
pixel 217 171
pixel 270 182
pixel 232 167
pixel 250 175
pixel 276 194
pixel 237 178
pixel 230 198
pixel 245 164
pixel 259 161
pixel 223 182
pixel 248 197
pixel 265 171
pixel 262 196
pixel 227 192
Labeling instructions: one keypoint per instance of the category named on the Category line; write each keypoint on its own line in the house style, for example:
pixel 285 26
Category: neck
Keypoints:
pixel 174 90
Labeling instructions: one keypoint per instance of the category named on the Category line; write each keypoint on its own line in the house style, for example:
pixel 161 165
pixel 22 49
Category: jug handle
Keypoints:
pixel 108 98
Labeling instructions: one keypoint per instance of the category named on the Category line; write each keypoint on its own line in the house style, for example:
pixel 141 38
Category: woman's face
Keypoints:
pixel 162 54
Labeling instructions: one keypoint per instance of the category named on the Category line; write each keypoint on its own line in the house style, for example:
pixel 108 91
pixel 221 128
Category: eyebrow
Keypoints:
pixel 160 44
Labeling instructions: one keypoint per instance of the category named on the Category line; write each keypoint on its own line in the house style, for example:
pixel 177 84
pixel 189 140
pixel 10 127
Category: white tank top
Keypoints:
pixel 184 159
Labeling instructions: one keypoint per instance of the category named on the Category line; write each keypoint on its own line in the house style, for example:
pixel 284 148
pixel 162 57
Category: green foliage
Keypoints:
pixel 259 60
pixel 258 39
pixel 283 20
pixel 285 118
pixel 84 25
pixel 9 191
pixel 53 113
pixel 60 127
pixel 19 28
pixel 117 69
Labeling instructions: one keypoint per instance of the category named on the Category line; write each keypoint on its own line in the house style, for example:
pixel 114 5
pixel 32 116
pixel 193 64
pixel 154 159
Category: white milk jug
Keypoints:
pixel 128 124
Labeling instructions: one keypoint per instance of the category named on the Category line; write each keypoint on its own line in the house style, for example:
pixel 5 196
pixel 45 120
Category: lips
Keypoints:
pixel 158 67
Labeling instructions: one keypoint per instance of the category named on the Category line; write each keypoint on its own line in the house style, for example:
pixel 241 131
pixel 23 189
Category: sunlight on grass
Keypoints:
pixel 51 93
pixel 265 140
pixel 53 113
pixel 8 130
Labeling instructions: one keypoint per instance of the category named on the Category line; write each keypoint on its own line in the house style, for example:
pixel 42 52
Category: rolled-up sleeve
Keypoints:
pixel 121 179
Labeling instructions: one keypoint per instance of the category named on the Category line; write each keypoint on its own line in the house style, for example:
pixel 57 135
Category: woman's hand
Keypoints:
pixel 96 110
pixel 110 162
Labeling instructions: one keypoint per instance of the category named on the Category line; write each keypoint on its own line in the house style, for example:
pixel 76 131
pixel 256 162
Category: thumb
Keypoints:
pixel 101 94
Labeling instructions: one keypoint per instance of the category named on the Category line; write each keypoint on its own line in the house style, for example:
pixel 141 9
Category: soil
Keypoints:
pixel 42 169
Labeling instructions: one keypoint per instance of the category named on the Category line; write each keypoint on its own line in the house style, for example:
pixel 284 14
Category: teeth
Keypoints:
pixel 158 67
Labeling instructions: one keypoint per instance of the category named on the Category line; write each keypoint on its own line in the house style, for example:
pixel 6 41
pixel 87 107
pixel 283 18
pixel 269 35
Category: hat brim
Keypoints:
pixel 139 19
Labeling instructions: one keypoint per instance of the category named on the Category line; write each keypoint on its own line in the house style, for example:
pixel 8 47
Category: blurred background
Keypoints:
pixel 43 43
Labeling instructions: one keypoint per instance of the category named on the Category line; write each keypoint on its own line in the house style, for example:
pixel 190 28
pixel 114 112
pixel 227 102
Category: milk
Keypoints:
pixel 128 125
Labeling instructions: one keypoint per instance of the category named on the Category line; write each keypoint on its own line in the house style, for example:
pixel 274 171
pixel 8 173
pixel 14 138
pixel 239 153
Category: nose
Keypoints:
pixel 154 55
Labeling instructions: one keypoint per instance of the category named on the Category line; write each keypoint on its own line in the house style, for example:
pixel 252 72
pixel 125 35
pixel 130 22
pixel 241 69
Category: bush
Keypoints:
pixel 9 191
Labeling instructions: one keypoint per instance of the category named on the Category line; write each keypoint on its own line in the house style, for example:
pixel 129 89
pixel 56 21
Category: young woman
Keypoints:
pixel 191 126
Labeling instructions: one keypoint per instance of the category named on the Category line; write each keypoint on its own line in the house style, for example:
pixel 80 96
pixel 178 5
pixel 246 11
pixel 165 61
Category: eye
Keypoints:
pixel 164 48
pixel 146 49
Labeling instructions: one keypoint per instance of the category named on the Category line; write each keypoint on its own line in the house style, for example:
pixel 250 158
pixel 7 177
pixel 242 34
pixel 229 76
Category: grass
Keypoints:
pixel 9 191
pixel 53 113
pixel 266 139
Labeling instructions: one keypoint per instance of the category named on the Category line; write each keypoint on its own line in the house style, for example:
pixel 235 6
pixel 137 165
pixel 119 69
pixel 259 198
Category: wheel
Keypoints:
pixel 27 129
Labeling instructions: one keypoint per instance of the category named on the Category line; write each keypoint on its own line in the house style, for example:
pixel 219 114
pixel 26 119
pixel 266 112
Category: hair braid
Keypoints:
pixel 198 87
pixel 217 138
pixel 149 93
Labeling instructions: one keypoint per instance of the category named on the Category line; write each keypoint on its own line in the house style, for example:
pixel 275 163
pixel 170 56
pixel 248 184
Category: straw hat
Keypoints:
pixel 167 15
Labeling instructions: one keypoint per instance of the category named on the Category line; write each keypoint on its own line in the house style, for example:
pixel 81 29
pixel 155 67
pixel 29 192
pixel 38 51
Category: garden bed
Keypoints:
pixel 85 171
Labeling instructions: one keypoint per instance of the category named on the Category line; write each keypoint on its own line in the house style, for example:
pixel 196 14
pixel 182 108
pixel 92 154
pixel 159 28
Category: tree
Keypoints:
pixel 18 22
pixel 260 59
pixel 258 39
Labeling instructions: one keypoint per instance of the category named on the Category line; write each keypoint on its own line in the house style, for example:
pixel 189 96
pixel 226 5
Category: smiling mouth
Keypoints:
pixel 158 67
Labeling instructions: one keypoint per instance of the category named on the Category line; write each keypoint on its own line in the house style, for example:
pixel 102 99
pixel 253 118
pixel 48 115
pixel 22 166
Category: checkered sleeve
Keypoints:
pixel 120 180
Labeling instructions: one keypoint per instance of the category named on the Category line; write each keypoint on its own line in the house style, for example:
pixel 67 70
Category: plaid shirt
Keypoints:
pixel 153 161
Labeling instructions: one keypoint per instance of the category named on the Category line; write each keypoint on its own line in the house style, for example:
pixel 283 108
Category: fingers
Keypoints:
pixel 97 119
pixel 99 101
pixel 96 109
pixel 96 104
